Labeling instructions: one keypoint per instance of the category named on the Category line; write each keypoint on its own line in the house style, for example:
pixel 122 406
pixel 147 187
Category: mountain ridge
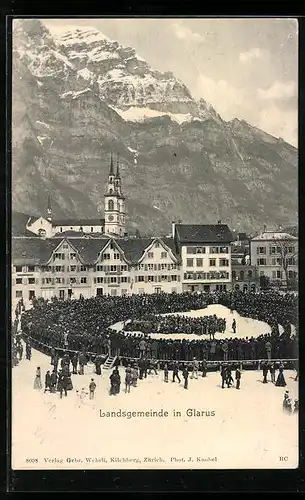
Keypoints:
pixel 66 122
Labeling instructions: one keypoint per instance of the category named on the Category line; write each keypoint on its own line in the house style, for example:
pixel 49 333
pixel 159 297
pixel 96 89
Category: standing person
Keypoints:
pixel 98 364
pixel 265 373
pixel 223 374
pixel 229 378
pixel 53 381
pixel 92 387
pixel 268 347
pixel 280 381
pixel 48 382
pixel 237 377
pixel 234 326
pixel 62 384
pixel 74 362
pixel 185 375
pixel 81 362
pixel 152 366
pixel 28 351
pixel 142 346
pixel 204 368
pixel 37 381
pixel 115 381
pixel 128 378
pixel 176 372
pixel 195 365
pixel 272 372
pixel 135 375
pixel 225 348
pixel 165 373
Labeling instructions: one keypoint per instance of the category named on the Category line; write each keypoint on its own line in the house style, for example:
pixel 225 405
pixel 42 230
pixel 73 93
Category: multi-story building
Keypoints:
pixel 275 253
pixel 205 252
pixel 245 277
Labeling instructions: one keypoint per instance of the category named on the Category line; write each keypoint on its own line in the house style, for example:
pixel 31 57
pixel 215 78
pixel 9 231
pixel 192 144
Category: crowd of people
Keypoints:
pixel 150 323
pixel 84 326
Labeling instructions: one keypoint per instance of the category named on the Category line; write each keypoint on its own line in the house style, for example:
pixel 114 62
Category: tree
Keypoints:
pixel 286 247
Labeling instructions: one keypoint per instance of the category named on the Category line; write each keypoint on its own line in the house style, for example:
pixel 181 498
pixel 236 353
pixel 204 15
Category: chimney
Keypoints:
pixel 265 228
pixel 173 228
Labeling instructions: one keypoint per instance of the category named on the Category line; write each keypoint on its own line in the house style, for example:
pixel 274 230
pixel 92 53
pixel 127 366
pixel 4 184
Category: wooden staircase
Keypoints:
pixel 109 362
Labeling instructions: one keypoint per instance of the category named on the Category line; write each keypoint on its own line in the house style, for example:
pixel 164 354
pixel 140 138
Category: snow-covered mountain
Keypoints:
pixel 78 95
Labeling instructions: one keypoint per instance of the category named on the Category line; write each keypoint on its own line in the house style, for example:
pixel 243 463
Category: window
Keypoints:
pixel 150 255
pixel 233 275
pixel 117 256
pixel 124 279
pixel 151 278
pixel 261 250
pixel 164 277
pixel 189 262
pixel 72 256
pixel 18 281
pixel 72 280
pixel 223 262
pixel 212 262
pixel 106 256
pixel 124 268
pixel 110 205
pixel 150 267
pixel 18 294
pixel 261 262
pixel 72 269
pixel 81 228
pixel 83 268
pixel 59 256
pixel 141 278
pixel 113 269
pixel 190 250
pixel 214 250
pixel 61 229
pixel 200 249
pixel 65 246
pixel 279 274
pixel 31 269
pixel 99 279
pixel 291 261
pixel 157 244
pixel 242 275
pixel 250 274
pixel 31 281
pixel 290 249
pixel 199 262
pixel 18 269
pixel 272 250
pixel 223 250
pixel 59 280
pixel 83 279
pixel 163 255
pixel 59 269
pixel 91 229
pixel 174 277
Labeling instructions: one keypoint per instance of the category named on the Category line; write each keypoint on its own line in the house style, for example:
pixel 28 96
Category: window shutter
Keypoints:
pixel 159 278
pixel 146 278
pixel 155 267
pixel 128 279
pixel 145 267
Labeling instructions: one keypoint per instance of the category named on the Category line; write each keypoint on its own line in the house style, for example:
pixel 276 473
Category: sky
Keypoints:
pixel 246 68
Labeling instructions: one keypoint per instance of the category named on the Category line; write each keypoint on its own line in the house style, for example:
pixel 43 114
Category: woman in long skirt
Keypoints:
pixel 37 381
pixel 280 381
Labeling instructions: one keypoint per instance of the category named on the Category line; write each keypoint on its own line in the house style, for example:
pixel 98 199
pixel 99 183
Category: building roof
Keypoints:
pixel 208 233
pixel 274 235
pixel 78 222
pixel 38 251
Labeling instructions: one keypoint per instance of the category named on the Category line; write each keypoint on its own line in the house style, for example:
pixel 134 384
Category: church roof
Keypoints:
pixel 204 233
pixel 78 222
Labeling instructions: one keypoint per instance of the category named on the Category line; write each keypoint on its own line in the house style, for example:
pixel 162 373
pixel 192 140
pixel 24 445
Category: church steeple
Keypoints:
pixel 49 210
pixel 111 172
pixel 117 169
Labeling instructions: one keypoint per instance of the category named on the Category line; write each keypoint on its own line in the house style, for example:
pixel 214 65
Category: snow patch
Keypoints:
pixel 158 208
pixel 41 139
pixel 43 124
pixel 141 114
pixel 85 73
pixel 74 95
pixel 76 35
pixel 132 150
pixel 64 59
pixel 98 54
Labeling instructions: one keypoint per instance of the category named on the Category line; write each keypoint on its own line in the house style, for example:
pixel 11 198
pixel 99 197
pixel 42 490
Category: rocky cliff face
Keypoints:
pixel 78 97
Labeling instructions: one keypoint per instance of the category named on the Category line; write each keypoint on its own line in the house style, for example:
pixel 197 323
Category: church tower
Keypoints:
pixel 114 203
pixel 49 210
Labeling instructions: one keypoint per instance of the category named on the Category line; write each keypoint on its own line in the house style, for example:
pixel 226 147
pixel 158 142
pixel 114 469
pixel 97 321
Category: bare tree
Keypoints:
pixel 286 247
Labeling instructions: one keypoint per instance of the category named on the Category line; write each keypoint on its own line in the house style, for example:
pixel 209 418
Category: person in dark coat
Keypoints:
pixel 53 381
pixel 280 381
pixel 92 387
pixel 74 362
pixel 229 378
pixel 265 373
pixel 47 382
pixel 204 368
pixel 185 374
pixel 62 384
pixel 128 378
pixel 223 374
pixel 165 373
pixel 234 325
pixel 176 372
pixel 98 363
pixel 272 372
pixel 28 351
pixel 115 382
pixel 237 377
